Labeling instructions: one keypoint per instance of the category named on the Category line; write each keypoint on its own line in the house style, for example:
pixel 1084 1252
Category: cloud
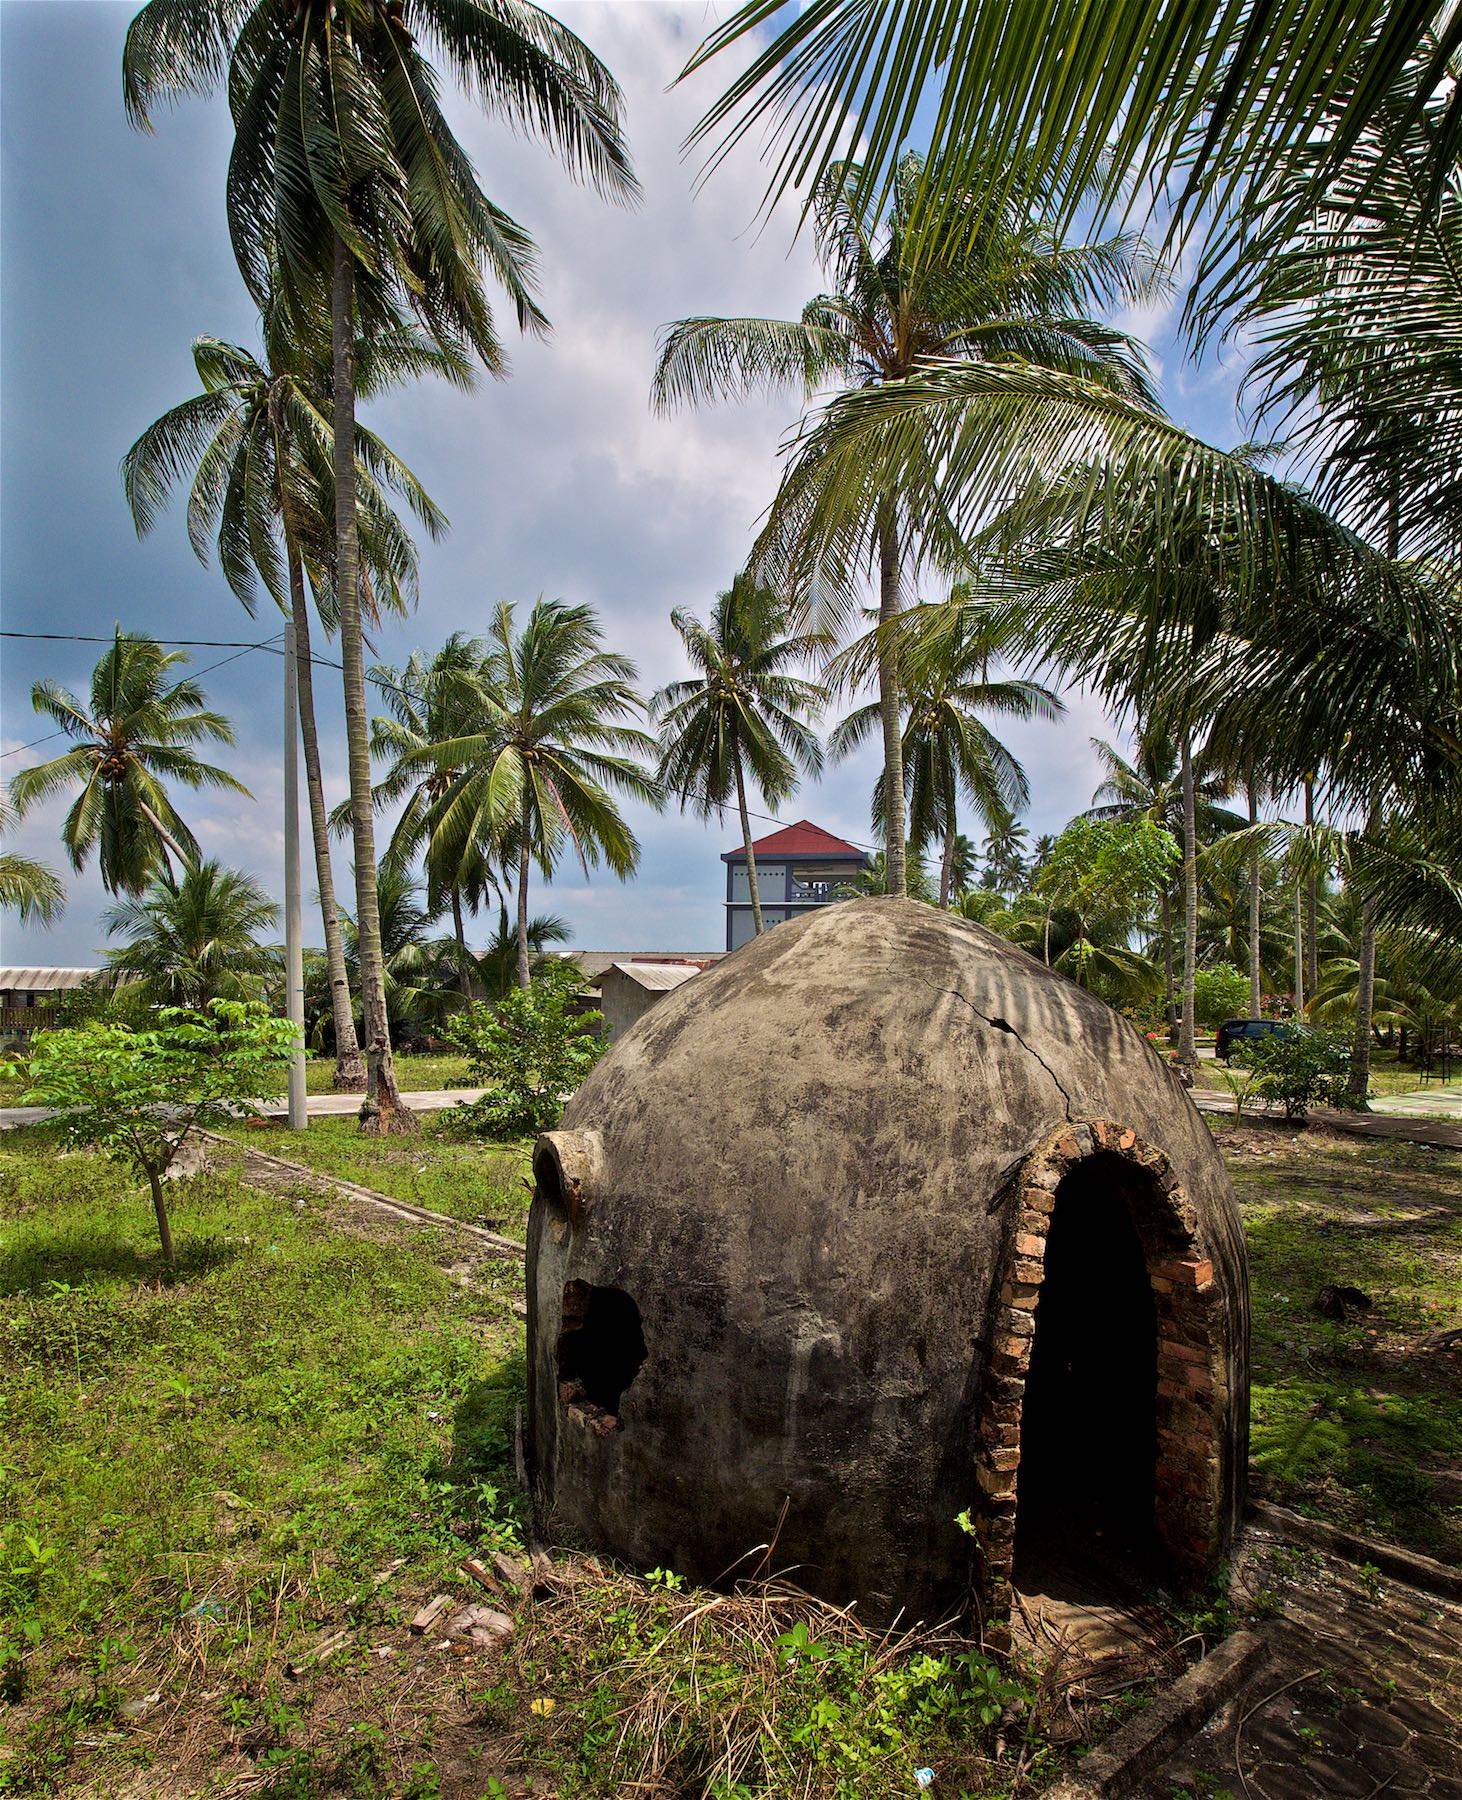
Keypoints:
pixel 559 480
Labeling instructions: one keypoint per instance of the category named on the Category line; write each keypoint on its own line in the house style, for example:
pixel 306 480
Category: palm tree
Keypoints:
pixel 435 701
pixel 742 714
pixel 946 747
pixel 1004 854
pixel 497 966
pixel 196 942
pixel 901 298
pixel 348 192
pixel 258 442
pixel 27 887
pixel 1231 95
pixel 555 753
pixel 1163 785
pixel 132 735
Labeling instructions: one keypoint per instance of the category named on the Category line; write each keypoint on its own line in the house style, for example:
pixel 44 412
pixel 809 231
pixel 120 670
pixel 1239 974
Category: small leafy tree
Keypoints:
pixel 530 1050
pixel 136 1094
pixel 1220 992
pixel 1300 1069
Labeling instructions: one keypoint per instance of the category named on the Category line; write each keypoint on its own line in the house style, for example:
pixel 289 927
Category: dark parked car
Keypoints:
pixel 1234 1032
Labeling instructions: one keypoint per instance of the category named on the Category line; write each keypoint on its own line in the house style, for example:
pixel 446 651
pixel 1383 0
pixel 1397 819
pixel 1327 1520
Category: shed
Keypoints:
pixel 629 989
pixel 882 1223
pixel 28 996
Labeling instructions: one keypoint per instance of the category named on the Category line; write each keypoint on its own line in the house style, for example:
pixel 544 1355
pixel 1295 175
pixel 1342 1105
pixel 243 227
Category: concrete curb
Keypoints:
pixel 1141 1746
pixel 402 1208
pixel 1401 1565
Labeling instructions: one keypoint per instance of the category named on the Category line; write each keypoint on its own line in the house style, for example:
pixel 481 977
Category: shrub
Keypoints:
pixel 137 1094
pixel 1220 992
pixel 530 1049
pixel 1301 1070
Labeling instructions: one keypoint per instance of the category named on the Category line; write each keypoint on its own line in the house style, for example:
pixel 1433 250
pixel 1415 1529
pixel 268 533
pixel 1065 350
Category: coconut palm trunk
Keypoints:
pixel 349 1069
pixel 382 1110
pixel 895 860
pixel 1299 947
pixel 1187 1048
pixel 525 974
pixel 1312 901
pixel 1170 996
pixel 752 887
pixel 464 955
pixel 1255 987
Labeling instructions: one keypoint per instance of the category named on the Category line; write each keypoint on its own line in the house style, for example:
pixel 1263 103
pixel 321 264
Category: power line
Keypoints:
pixel 272 645
pixel 241 650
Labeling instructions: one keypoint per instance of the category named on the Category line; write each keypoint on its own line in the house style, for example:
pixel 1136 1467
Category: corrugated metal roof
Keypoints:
pixel 43 981
pixel 593 963
pixel 656 976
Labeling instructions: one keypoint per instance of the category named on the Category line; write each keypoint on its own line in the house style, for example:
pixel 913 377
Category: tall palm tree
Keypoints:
pixel 348 191
pixel 900 298
pixel 556 751
pixel 433 701
pixel 198 941
pixel 258 444
pixel 1006 869
pixel 132 736
pixel 1163 784
pixel 27 887
pixel 742 714
pixel 947 749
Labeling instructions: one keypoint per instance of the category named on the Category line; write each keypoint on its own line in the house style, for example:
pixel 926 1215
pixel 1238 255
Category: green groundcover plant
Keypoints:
pixel 136 1094
pixel 530 1049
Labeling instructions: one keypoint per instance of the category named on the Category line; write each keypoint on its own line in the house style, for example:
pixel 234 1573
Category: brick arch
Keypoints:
pixel 1192 1388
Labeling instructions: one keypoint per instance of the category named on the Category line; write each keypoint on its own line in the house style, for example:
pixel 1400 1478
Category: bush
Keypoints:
pixel 530 1049
pixel 1301 1070
pixel 1219 993
pixel 136 1095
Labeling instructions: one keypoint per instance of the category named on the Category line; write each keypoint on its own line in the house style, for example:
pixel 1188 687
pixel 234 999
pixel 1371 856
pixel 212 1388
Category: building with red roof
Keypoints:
pixel 798 867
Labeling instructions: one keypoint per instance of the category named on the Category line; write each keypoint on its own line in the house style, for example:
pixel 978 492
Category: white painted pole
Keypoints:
pixel 294 954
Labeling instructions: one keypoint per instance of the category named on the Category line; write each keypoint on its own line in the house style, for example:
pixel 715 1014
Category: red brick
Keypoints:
pixel 1039 1200
pixel 1188 1353
pixel 1127 1140
pixel 1002 1456
pixel 1026 1245
pixel 1019 1324
pixel 1161 1285
pixel 1198 1378
pixel 1102 1132
pixel 1023 1294
pixel 1028 1269
pixel 1066 1146
pixel 995 1481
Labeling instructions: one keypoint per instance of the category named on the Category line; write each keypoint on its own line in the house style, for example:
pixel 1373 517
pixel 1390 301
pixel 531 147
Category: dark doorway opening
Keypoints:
pixel 601 1347
pixel 1085 1492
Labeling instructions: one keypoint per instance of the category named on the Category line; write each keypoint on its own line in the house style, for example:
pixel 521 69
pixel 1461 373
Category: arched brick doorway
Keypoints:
pixel 1124 1423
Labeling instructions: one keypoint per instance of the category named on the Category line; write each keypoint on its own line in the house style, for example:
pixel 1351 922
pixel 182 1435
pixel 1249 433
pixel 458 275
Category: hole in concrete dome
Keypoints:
pixel 1088 1451
pixel 601 1348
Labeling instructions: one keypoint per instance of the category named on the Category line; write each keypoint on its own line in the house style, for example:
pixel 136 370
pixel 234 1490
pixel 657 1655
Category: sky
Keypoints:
pixel 557 481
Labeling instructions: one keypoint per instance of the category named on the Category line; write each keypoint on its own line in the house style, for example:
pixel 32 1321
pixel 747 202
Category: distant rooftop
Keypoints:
pixel 802 839
pixel 658 977
pixel 43 981
pixel 595 962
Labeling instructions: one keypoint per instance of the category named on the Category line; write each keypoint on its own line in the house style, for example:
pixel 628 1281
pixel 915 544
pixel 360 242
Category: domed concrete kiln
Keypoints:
pixel 877 1221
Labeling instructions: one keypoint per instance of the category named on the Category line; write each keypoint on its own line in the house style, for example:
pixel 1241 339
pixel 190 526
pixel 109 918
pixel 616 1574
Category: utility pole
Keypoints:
pixel 294 955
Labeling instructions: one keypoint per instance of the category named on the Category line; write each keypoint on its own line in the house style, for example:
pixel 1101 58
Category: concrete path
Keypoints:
pixel 1397 1128
pixel 321 1106
pixel 1425 1103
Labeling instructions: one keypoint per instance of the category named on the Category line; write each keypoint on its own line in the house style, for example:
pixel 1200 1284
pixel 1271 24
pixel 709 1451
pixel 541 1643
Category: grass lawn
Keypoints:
pixel 1357 1422
pixel 203 1476
pixel 1388 1076
pixel 484 1184
pixel 414 1074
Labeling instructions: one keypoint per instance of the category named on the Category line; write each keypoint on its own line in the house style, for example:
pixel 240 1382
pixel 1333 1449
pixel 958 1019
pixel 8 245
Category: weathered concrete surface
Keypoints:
pixel 804 1178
